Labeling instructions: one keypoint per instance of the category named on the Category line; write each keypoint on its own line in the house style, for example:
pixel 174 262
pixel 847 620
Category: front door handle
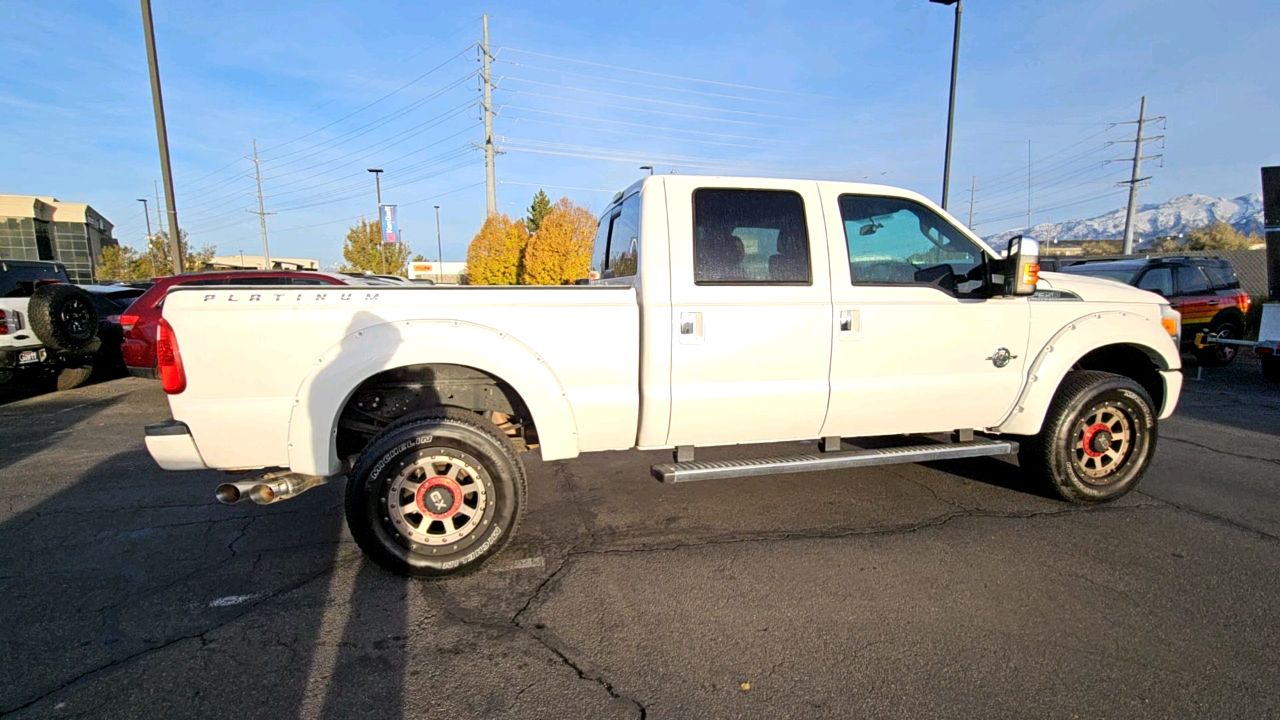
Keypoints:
pixel 850 324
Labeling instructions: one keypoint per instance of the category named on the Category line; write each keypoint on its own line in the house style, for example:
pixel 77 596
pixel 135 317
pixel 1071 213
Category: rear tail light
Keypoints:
pixel 128 321
pixel 6 323
pixel 1245 302
pixel 173 378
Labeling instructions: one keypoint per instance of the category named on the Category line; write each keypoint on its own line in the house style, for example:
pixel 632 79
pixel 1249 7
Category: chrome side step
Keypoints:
pixel 717 469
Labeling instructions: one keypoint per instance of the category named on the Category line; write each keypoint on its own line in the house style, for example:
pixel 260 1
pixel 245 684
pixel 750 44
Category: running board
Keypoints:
pixel 718 469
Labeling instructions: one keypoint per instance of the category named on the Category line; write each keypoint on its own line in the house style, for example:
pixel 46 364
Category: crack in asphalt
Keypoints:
pixel 1217 519
pixel 1212 449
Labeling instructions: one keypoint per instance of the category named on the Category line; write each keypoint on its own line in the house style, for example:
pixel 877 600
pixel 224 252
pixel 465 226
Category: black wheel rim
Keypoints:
pixel 77 318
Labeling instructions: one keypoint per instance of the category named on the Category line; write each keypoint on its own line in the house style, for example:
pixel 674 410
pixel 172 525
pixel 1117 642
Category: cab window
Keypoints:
pixel 749 237
pixel 894 241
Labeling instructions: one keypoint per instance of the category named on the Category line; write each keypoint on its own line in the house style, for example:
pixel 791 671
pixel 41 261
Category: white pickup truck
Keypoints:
pixel 720 310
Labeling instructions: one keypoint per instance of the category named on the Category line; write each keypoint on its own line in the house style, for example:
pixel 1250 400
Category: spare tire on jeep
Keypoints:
pixel 63 317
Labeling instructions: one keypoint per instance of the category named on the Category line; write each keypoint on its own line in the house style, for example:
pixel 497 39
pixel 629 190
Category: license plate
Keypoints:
pixel 26 357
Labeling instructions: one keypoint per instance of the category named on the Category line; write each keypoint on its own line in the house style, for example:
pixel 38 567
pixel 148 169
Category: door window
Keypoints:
pixel 1191 281
pixel 1158 280
pixel 892 241
pixel 749 237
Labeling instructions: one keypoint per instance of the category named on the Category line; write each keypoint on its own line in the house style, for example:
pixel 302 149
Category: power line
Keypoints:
pixel 652 100
pixel 667 75
pixel 638 84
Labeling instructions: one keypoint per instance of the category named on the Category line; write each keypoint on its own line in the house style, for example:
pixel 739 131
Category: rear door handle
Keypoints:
pixel 1213 302
pixel 690 328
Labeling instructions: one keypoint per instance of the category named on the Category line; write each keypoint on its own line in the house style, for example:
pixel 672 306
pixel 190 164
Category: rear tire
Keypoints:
pixel 435 494
pixel 1221 355
pixel 1097 440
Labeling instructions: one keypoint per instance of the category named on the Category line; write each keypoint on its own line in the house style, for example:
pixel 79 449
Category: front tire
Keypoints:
pixel 435 494
pixel 1097 439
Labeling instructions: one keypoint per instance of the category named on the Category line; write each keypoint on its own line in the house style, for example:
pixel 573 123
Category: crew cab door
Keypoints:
pixel 750 311
pixel 917 347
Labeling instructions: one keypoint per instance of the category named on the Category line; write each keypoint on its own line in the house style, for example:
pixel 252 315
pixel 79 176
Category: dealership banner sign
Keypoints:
pixel 390 228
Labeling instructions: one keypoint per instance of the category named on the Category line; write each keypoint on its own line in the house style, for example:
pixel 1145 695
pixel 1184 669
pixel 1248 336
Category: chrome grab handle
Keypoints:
pixel 846 320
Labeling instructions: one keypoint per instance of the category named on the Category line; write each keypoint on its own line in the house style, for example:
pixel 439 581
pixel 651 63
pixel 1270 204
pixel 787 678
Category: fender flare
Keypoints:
pixel 368 351
pixel 1071 343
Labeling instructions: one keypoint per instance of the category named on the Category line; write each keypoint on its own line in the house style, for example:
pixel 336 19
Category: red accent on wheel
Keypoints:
pixel 439 481
pixel 1089 434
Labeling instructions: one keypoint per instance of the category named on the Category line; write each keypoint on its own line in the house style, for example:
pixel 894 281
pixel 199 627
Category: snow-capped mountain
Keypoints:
pixel 1179 215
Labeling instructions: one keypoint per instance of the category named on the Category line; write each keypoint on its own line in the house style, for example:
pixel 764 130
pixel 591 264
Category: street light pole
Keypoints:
pixel 377 184
pixel 951 106
pixel 162 136
pixel 439 249
pixel 147 214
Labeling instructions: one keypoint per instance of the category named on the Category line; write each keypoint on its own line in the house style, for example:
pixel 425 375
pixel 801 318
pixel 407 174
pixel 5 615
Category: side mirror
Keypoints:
pixel 1022 266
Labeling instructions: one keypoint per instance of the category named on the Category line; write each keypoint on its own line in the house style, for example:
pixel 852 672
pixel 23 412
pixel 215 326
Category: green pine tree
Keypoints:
pixel 540 208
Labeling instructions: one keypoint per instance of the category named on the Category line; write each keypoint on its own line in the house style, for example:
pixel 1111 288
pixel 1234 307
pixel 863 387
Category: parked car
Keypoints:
pixel 1204 289
pixel 111 301
pixel 48 327
pixel 138 323
pixel 727 310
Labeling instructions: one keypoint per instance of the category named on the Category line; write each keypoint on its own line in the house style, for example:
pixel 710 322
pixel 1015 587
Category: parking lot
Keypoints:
pixel 948 589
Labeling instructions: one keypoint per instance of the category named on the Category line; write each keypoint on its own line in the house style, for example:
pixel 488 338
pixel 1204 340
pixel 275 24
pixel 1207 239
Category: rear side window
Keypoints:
pixel 1158 280
pixel 306 281
pixel 1223 277
pixel 1191 281
pixel 624 240
pixel 749 237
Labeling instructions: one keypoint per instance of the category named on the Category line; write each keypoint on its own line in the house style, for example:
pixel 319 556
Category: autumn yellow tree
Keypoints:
pixel 155 260
pixel 123 263
pixel 560 252
pixel 363 251
pixel 495 255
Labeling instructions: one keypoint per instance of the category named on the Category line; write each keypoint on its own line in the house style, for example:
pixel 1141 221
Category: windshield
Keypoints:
pixel 1121 275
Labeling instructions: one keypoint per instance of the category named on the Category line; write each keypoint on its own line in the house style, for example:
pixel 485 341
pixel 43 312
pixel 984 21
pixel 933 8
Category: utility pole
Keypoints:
pixel 973 189
pixel 377 184
pixel 262 211
pixel 162 137
pixel 439 249
pixel 490 178
pixel 1135 178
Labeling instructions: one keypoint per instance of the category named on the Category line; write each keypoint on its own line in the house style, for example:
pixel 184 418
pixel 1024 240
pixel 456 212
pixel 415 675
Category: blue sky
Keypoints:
pixel 590 91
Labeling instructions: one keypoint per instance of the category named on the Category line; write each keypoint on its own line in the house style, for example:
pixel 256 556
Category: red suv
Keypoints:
pixel 1204 289
pixel 140 321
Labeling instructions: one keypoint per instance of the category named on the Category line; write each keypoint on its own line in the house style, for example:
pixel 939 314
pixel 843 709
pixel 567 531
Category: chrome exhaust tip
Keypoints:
pixel 233 492
pixel 283 487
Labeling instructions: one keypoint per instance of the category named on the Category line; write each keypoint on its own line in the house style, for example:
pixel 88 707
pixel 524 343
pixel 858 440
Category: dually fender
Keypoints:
pixel 1071 343
pixel 313 425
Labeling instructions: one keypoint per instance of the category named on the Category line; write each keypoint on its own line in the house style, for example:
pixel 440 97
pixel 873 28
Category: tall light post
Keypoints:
pixel 162 138
pixel 439 249
pixel 951 106
pixel 377 184
pixel 147 214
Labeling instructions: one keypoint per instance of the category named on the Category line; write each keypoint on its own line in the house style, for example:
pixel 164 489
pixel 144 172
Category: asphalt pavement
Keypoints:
pixel 941 590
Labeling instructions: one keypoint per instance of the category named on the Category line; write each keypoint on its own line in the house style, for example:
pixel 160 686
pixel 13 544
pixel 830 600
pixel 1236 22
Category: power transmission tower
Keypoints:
pixel 261 212
pixel 159 217
pixel 1135 180
pixel 490 178
pixel 973 189
pixel 1028 186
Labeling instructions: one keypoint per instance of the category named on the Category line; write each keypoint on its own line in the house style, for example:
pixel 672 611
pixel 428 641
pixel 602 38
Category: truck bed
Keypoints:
pixel 261 361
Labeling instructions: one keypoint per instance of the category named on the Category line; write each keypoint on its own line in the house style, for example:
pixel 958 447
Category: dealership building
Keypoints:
pixel 43 228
